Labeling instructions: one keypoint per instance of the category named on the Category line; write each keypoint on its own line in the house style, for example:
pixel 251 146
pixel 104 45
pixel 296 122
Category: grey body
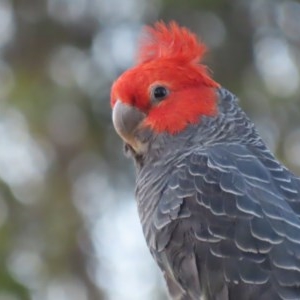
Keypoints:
pixel 219 213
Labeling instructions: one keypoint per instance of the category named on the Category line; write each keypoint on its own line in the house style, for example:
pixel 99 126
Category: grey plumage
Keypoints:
pixel 220 214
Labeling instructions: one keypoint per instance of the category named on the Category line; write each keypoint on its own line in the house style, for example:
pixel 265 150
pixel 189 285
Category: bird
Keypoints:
pixel 220 214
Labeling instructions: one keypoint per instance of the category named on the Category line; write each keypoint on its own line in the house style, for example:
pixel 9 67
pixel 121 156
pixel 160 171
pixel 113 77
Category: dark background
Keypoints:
pixel 68 223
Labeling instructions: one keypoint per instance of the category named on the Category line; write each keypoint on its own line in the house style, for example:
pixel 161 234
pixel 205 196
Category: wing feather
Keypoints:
pixel 239 209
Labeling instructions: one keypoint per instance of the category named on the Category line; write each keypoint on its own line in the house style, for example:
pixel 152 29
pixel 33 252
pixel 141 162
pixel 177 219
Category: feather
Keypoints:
pixel 170 41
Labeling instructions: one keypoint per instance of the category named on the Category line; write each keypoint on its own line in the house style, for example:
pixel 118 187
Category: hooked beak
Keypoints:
pixel 126 120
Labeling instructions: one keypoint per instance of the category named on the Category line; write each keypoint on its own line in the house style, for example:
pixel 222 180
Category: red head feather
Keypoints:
pixel 171 41
pixel 169 56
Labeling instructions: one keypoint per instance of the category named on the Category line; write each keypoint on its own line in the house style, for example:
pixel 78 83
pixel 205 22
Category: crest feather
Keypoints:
pixel 170 41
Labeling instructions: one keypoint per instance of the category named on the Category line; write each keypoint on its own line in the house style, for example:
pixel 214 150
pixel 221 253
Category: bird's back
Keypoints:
pixel 225 224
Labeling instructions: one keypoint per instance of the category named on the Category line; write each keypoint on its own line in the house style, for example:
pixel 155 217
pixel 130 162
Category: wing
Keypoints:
pixel 230 215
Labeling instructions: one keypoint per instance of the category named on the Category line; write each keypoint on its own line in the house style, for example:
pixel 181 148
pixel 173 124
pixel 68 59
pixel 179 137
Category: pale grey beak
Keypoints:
pixel 126 119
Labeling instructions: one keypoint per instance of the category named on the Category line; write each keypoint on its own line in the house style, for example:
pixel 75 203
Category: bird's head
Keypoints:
pixel 167 90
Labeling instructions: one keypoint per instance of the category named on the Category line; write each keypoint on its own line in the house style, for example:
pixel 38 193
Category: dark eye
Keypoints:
pixel 159 93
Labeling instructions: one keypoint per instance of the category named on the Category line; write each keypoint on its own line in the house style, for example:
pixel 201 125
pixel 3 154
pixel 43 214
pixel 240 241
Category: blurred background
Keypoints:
pixel 68 223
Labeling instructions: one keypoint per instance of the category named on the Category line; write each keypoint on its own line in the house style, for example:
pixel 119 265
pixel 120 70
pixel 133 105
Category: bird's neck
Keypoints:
pixel 230 125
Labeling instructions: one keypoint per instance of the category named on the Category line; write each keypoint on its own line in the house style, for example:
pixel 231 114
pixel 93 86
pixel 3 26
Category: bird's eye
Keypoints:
pixel 159 93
